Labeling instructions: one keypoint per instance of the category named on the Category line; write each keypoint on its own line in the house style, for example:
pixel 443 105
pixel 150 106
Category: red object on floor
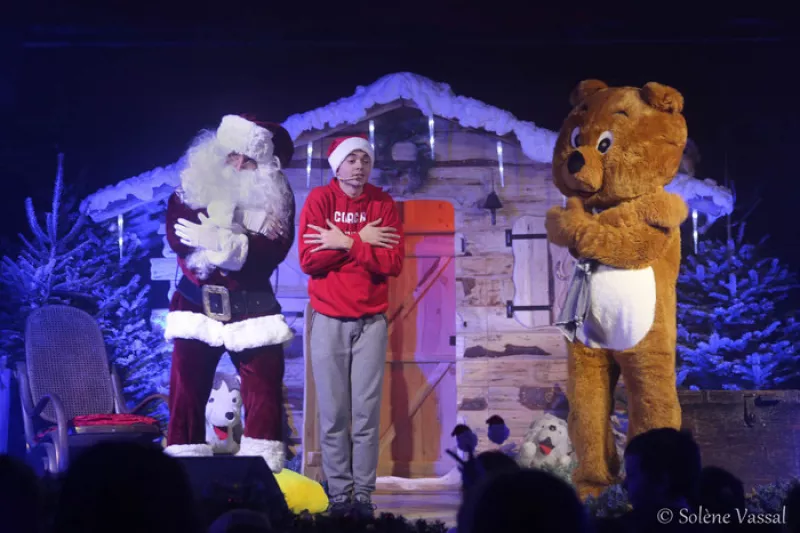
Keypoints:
pixel 102 420
pixel 112 420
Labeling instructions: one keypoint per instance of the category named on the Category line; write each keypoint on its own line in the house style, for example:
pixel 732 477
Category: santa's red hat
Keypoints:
pixel 260 141
pixel 284 146
pixel 341 147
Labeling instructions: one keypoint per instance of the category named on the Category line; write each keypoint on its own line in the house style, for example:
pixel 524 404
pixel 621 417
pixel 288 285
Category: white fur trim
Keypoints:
pixel 189 450
pixel 200 263
pixel 221 213
pixel 346 148
pixel 255 332
pixel 254 220
pixel 259 221
pixel 273 451
pixel 236 336
pixel 239 135
pixel 623 307
pixel 188 325
pixel 233 253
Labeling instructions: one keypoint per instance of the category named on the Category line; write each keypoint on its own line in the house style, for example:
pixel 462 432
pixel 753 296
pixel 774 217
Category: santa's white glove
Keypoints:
pixel 205 235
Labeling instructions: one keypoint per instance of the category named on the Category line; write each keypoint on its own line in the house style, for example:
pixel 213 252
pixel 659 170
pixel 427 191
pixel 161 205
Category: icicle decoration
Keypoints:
pixel 309 155
pixel 120 233
pixel 372 134
pixel 500 163
pixel 431 137
pixel 694 229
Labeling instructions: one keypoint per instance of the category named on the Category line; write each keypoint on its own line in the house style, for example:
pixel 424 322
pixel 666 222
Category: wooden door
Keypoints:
pixel 418 410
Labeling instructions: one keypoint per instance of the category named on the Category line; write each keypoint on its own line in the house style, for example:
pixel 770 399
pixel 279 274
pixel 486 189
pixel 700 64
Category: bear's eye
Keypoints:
pixel 605 141
pixel 575 137
pixel 211 400
pixel 233 400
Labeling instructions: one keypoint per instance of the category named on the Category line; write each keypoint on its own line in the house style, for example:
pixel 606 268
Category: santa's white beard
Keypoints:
pixel 207 177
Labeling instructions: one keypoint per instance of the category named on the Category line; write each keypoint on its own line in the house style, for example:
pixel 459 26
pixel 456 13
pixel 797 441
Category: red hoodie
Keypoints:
pixel 354 283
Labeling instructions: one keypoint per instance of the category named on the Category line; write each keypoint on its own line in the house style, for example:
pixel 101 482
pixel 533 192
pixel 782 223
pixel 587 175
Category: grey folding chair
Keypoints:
pixel 70 396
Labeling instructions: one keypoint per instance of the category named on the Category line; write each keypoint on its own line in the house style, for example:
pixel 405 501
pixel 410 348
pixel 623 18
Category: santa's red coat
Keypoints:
pixel 186 320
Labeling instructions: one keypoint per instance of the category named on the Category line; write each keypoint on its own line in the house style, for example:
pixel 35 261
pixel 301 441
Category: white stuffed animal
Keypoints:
pixel 546 444
pixel 224 426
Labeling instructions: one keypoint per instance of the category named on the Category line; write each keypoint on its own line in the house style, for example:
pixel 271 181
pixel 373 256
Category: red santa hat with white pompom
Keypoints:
pixel 260 141
pixel 341 147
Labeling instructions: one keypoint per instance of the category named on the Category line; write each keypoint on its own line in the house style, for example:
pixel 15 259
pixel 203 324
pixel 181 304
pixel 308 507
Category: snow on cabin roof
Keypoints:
pixel 703 195
pixel 432 98
pixel 151 186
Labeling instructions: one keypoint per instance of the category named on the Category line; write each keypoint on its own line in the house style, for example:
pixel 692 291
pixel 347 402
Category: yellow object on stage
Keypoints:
pixel 301 493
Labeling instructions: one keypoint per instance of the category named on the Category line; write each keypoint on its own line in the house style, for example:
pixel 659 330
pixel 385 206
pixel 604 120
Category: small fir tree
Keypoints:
pixel 733 332
pixel 613 502
pixel 46 269
pixel 139 353
pixel 84 265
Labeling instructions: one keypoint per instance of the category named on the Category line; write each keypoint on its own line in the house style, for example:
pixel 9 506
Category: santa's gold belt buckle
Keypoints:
pixel 217 302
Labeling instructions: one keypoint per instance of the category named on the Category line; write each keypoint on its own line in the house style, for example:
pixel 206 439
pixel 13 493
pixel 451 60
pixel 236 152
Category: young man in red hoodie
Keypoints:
pixel 352 242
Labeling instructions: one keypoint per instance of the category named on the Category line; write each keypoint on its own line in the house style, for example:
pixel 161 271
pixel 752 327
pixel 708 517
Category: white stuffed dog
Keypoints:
pixel 224 426
pixel 546 444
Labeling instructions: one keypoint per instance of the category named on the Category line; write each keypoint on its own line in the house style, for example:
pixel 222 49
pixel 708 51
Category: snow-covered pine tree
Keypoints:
pixel 46 269
pixel 83 266
pixel 140 354
pixel 733 331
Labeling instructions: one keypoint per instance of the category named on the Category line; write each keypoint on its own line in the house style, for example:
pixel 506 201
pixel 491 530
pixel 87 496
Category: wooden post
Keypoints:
pixel 312 452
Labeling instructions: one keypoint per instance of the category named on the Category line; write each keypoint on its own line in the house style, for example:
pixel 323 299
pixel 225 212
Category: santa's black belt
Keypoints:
pixel 221 304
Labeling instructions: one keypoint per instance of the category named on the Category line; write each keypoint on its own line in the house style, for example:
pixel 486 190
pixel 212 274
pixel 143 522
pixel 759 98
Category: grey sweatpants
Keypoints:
pixel 347 360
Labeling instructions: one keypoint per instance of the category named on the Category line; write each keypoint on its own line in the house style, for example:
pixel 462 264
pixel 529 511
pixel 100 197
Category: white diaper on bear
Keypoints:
pixel 622 307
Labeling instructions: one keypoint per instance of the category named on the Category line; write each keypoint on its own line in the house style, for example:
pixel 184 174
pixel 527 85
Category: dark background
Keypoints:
pixel 121 87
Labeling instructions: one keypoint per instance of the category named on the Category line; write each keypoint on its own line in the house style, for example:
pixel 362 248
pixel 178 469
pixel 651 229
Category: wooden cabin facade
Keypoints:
pixel 471 315
pixel 459 347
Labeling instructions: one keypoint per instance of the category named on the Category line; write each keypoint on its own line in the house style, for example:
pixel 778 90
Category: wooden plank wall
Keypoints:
pixel 503 367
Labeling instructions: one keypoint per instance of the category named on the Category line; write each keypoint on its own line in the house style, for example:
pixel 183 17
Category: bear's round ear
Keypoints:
pixel 662 97
pixel 584 90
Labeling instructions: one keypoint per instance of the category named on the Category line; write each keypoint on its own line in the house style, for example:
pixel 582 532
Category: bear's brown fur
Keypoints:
pixel 616 151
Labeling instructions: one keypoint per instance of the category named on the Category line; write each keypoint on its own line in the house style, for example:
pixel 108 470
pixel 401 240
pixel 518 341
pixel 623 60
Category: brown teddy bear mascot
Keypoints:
pixel 616 151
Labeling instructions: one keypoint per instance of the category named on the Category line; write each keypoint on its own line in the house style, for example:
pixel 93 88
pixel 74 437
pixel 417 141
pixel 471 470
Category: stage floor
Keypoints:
pixel 429 506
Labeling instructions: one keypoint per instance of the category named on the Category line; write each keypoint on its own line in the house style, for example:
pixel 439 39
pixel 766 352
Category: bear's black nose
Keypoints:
pixel 229 415
pixel 575 162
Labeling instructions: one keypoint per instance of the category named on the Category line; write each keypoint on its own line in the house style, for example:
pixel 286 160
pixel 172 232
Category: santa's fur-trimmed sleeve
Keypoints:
pixel 176 209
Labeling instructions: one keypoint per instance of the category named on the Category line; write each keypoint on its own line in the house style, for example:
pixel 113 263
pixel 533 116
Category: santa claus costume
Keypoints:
pixel 231 223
